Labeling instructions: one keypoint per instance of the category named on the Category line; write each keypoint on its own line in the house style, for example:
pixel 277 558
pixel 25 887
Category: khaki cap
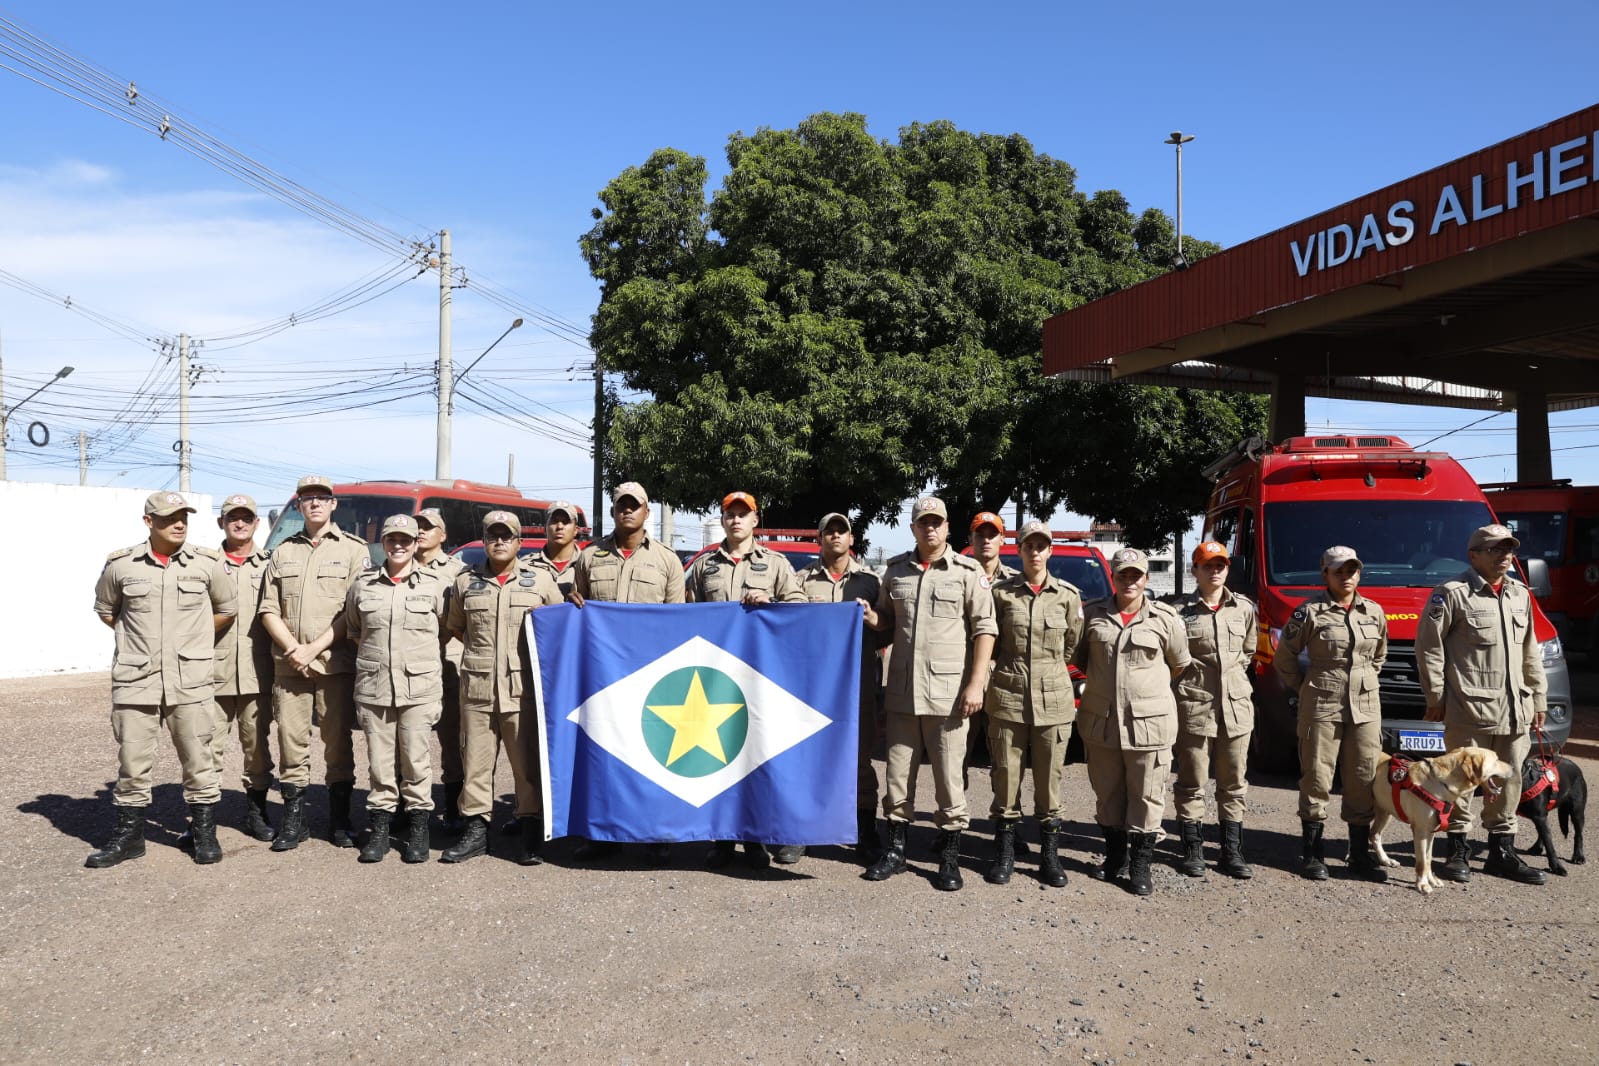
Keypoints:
pixel 633 489
pixel 988 518
pixel 1033 528
pixel 1337 556
pixel 827 520
pixel 567 506
pixel 400 523
pixel 313 481
pixel 1206 550
pixel 239 502
pixel 161 504
pixel 929 505
pixel 502 518
pixel 739 497
pixel 433 517
pixel 1129 559
pixel 1493 534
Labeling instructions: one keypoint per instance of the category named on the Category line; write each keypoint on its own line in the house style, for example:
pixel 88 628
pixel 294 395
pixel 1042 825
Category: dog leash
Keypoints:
pixel 1548 774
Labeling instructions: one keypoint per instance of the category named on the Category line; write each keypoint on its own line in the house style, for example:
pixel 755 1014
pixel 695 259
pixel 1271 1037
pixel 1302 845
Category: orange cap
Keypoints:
pixel 739 497
pixel 1206 550
pixel 988 518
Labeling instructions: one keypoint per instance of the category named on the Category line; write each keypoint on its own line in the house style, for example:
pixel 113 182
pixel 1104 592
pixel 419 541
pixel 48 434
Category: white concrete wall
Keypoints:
pixel 53 544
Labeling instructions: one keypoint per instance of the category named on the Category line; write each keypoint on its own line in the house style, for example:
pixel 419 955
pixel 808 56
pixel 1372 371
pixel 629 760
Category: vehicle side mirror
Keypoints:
pixel 1538 578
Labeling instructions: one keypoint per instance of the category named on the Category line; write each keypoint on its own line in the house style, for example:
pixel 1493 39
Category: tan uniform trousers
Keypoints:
pixel 137 729
pixel 399 737
pixel 483 732
pixel 1129 786
pixel 943 740
pixel 1008 746
pixel 1352 749
pixel 1194 755
pixel 297 702
pixel 1498 816
pixel 253 720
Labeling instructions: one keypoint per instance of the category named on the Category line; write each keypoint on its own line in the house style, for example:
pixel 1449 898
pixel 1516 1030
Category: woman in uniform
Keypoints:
pixel 1131 650
pixel 1344 638
pixel 395 617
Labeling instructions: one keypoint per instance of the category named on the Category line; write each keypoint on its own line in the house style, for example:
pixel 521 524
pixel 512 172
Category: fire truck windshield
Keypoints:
pixel 1401 543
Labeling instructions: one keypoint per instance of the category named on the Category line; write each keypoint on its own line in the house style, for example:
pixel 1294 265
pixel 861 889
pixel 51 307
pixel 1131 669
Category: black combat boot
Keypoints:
pixel 1115 864
pixel 1503 861
pixel 127 840
pixel 949 864
pixel 756 857
pixel 892 861
pixel 722 854
pixel 532 826
pixel 203 824
pixel 1141 855
pixel 868 845
pixel 1312 860
pixel 1232 861
pixel 788 854
pixel 452 808
pixel 1193 860
pixel 1457 867
pixel 255 815
pixel 377 836
pixel 416 836
pixel 1050 870
pixel 293 830
pixel 339 831
pixel 1005 861
pixel 1361 861
pixel 474 842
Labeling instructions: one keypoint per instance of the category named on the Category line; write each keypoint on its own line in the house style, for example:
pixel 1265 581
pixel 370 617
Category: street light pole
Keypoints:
pixel 1178 139
pixel 5 416
pixel 514 325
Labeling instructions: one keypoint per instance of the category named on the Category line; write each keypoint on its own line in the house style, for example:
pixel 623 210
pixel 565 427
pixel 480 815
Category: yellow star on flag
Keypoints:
pixel 695 722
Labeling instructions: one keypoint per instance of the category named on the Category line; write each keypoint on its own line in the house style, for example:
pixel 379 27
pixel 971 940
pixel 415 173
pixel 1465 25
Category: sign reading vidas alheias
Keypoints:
pixel 698 721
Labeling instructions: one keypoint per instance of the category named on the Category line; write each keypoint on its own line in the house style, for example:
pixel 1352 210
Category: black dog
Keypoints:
pixel 1569 799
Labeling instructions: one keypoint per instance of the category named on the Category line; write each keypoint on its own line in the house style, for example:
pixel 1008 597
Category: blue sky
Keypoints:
pixel 501 121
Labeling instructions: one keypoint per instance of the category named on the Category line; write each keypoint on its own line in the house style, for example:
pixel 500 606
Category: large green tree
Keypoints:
pixel 847 320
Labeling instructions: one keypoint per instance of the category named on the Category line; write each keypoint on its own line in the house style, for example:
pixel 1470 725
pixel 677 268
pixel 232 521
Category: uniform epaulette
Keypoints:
pixel 207 553
pixel 1165 608
pixel 1096 601
pixel 902 557
pixel 965 561
pixel 121 553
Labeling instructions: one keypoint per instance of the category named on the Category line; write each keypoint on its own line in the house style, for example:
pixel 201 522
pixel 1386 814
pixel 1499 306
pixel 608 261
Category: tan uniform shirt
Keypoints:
pixel 449 568
pixel 1001 573
pixel 1038 632
pixel 306 585
pixel 716 577
pixel 396 629
pixel 565 578
pixel 165 629
pixel 1346 651
pixel 243 664
pixel 1216 685
pixel 857 583
pixel 934 613
pixel 1128 701
pixel 1478 657
pixel 491 615
pixel 651 574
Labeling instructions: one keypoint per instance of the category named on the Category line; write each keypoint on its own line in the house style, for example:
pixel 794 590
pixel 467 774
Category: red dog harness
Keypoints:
pixel 1399 780
pixel 1548 781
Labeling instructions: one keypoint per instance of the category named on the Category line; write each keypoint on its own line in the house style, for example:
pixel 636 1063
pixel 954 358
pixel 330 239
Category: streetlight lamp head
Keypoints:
pixel 517 324
pixel 63 372
pixel 1178 137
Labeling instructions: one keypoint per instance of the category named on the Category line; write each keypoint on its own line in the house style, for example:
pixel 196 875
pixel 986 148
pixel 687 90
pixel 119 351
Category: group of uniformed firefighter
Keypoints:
pixel 213 641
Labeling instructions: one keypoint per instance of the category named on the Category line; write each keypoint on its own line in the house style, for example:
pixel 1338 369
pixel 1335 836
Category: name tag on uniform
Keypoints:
pixel 529 581
pixel 757 566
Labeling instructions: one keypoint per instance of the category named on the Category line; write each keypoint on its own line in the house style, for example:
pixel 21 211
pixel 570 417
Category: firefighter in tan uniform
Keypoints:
pixel 302 610
pixel 244 664
pixel 941 614
pixel 1215 712
pixel 1482 672
pixel 486 612
pixel 165 600
pixel 558 557
pixel 627 566
pixel 839 577
pixel 1131 650
pixel 987 531
pixel 395 616
pixel 1030 701
pixel 430 555
pixel 1344 637
pixel 738 570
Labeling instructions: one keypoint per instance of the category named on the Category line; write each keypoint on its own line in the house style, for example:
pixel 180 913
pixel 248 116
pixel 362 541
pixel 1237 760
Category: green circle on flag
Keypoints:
pixel 695 721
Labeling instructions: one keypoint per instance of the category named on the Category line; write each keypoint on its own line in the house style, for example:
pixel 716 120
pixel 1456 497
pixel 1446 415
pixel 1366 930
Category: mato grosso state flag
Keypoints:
pixel 705 721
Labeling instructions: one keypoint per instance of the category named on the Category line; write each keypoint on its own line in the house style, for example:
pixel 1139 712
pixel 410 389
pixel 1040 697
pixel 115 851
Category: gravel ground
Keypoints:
pixel 309 957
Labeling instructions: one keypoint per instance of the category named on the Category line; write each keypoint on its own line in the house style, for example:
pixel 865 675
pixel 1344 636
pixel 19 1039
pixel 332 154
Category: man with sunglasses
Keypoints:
pixel 1482 673
pixel 302 610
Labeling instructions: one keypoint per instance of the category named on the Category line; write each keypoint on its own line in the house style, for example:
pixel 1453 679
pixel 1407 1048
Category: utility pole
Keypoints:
pixel 1178 139
pixel 597 516
pixel 441 469
pixel 510 471
pixel 183 412
pixel 83 458
pixel 668 526
pixel 2 420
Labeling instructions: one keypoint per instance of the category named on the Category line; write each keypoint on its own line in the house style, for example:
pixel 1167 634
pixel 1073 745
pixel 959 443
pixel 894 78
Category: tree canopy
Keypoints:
pixel 847 320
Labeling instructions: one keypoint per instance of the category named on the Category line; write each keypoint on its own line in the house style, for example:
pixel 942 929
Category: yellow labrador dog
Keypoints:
pixel 1425 796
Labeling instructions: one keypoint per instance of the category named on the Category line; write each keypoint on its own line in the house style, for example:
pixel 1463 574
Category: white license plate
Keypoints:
pixel 1413 741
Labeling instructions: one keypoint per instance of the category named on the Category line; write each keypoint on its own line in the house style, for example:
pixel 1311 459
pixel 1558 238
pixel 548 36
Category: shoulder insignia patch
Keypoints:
pixel 1301 613
pixel 120 554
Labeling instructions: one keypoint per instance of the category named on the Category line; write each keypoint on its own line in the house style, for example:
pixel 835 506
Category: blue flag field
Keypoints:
pixel 698 721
